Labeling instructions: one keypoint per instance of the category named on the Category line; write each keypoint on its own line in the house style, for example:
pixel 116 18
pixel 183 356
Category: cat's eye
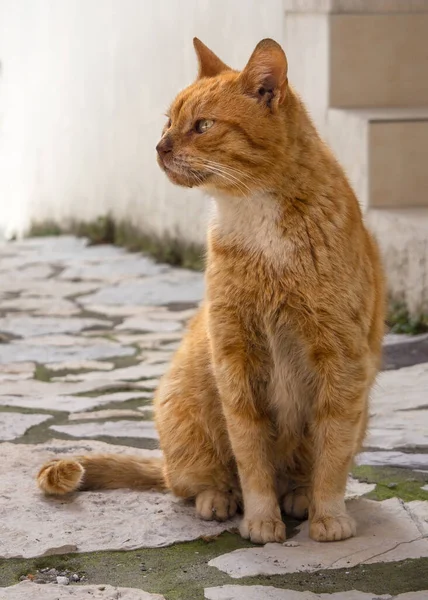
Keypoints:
pixel 203 125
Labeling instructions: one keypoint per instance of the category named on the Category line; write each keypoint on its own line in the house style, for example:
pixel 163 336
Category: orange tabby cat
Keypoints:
pixel 266 401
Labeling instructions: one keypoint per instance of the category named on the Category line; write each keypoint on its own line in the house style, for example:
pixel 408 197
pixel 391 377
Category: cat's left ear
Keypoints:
pixel 209 63
pixel 265 76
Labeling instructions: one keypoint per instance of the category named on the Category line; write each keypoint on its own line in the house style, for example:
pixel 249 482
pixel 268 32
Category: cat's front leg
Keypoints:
pixel 238 375
pixel 336 430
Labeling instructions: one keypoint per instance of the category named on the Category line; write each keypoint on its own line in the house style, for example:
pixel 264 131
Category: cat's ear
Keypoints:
pixel 265 76
pixel 209 64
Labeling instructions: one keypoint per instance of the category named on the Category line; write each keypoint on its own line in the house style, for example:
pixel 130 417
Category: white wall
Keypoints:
pixel 83 88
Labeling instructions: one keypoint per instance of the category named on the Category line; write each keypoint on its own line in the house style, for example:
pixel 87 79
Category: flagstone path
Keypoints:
pixel 85 334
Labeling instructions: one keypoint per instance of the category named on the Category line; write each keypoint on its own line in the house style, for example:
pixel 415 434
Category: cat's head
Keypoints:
pixel 224 130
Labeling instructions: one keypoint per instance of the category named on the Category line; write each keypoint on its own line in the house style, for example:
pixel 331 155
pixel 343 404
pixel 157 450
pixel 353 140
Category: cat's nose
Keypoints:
pixel 164 146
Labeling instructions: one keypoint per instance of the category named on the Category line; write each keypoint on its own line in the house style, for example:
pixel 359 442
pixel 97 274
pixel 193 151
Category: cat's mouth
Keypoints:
pixel 181 174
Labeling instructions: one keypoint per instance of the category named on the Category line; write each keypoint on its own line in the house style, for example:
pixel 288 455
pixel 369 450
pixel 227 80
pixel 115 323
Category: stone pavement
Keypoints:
pixel 85 334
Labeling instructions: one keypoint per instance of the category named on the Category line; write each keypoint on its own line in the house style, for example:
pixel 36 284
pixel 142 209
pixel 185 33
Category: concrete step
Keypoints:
pixel 358 53
pixel 403 238
pixel 384 154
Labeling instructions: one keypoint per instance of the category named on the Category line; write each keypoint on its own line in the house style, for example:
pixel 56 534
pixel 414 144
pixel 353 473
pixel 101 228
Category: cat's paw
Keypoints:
pixel 332 529
pixel 262 531
pixel 296 503
pixel 215 505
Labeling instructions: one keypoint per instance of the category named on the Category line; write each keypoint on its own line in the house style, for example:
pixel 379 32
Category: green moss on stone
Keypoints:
pixel 105 230
pixel 393 482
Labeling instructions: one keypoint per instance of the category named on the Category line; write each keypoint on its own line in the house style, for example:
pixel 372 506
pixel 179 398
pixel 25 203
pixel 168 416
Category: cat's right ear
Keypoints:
pixel 209 64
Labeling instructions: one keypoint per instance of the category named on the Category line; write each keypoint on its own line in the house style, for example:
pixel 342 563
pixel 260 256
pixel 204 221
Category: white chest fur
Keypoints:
pixel 251 223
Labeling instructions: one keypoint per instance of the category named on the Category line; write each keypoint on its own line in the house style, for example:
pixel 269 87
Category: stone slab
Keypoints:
pixel 89 521
pixel 103 415
pixel 69 404
pixel 121 429
pixel 14 425
pixel 77 365
pixel 42 306
pixel 393 459
pixel 386 531
pixel 149 325
pixel 399 409
pixel 85 349
pixel 127 268
pixel 26 590
pixel 176 287
pixel 134 373
pixel 25 326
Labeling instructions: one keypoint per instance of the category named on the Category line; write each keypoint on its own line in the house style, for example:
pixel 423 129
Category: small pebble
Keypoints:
pixel 23 578
pixel 75 577
pixel 39 580
pixel 392 486
pixel 52 572
pixel 62 580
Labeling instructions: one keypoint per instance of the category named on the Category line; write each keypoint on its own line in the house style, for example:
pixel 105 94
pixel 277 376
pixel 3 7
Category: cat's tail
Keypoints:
pixel 102 471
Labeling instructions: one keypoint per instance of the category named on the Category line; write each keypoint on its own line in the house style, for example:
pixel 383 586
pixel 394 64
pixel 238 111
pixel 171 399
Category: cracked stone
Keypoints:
pixel 78 365
pixel 27 272
pixel 42 306
pixel 17 371
pixel 355 488
pixel 105 414
pixel 187 287
pixel 142 324
pixel 126 268
pixel 49 591
pixel 399 409
pixel 92 521
pixel 26 327
pixel 50 288
pixel 121 429
pixel 54 352
pixel 14 425
pixel 33 394
pixel 393 459
pixel 55 403
pixel 135 373
pixel 386 531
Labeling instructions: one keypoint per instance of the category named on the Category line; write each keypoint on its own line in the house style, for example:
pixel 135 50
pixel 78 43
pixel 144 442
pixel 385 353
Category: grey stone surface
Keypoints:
pixel 90 349
pixel 102 415
pixel 120 429
pixel 17 371
pixel 393 459
pixel 127 268
pixel 41 306
pixel 55 403
pixel 386 531
pixel 399 409
pixel 184 287
pixel 35 326
pixel 135 373
pixel 77 365
pixel 91 521
pixel 26 590
pixel 149 325
pixel 13 425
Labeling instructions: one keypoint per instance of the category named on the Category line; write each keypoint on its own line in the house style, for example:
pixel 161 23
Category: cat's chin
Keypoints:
pixel 185 179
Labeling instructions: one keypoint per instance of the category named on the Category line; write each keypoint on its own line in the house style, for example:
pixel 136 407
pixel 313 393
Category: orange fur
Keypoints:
pixel 266 401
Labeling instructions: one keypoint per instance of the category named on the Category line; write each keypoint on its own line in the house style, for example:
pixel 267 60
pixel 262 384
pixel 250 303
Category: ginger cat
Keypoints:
pixel 266 401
